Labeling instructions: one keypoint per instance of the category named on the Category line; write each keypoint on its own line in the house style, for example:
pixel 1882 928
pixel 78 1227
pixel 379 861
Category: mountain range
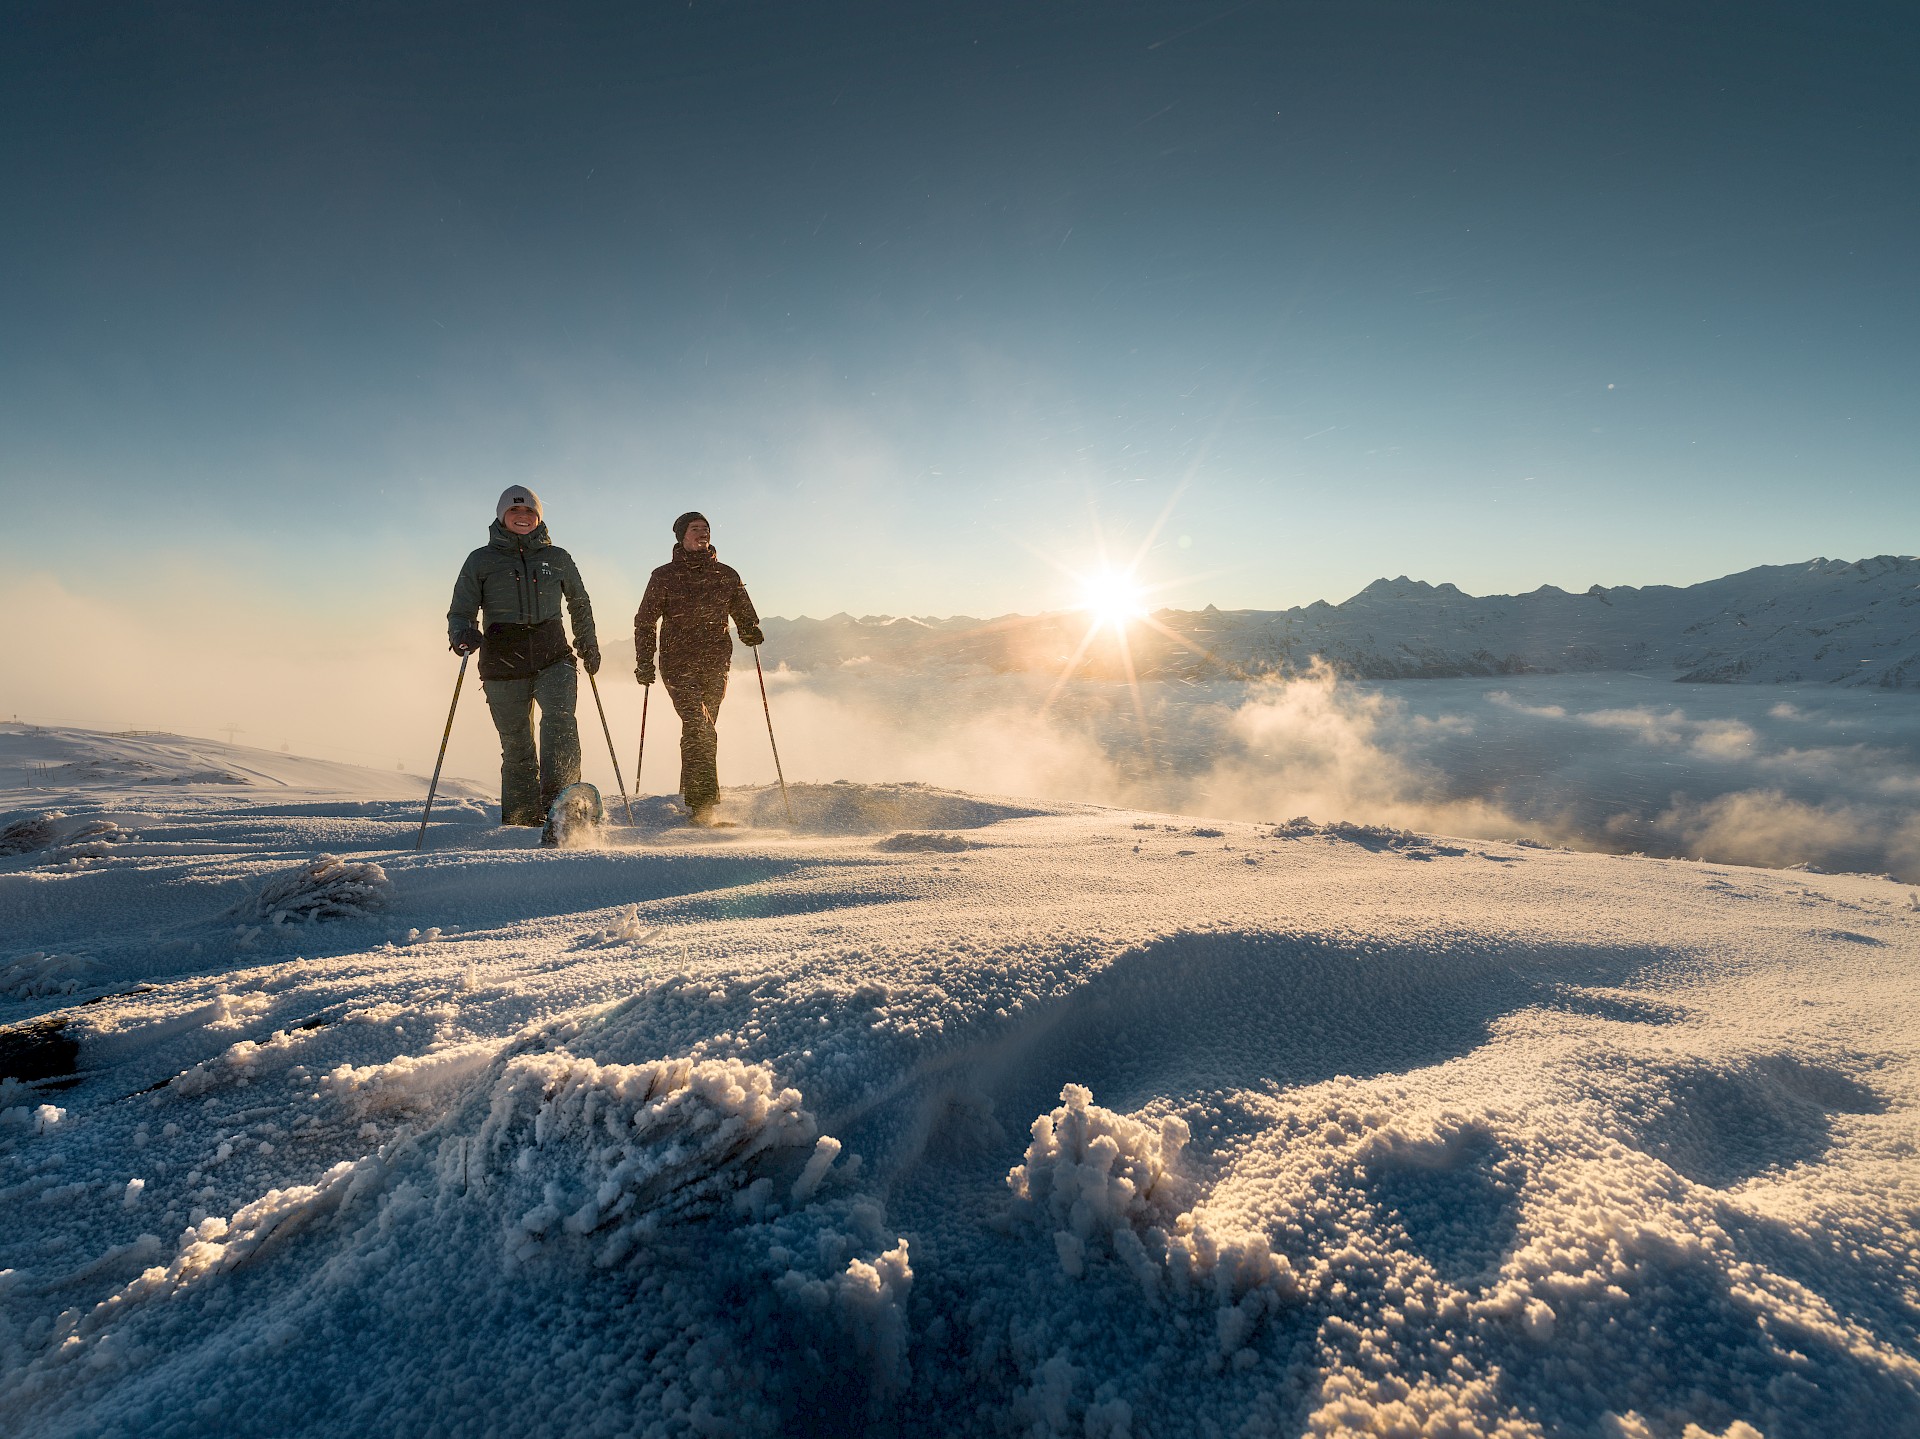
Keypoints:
pixel 1845 622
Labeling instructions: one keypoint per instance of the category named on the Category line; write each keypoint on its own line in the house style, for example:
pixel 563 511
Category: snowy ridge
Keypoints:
pixel 1825 621
pixel 46 758
pixel 1100 1124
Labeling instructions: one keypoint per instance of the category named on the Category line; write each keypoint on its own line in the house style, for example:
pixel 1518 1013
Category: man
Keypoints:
pixel 688 602
pixel 519 579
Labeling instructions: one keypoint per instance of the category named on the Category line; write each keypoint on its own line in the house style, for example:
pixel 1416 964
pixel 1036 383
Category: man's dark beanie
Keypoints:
pixel 680 525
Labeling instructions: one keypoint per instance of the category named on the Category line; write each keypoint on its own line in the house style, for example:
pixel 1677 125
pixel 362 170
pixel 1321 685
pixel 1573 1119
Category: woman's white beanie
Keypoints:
pixel 516 495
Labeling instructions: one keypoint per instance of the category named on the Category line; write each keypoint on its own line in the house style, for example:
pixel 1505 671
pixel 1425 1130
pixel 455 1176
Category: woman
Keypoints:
pixel 518 580
pixel 686 607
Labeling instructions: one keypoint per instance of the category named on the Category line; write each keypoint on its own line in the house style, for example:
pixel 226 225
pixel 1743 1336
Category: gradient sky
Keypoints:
pixel 917 301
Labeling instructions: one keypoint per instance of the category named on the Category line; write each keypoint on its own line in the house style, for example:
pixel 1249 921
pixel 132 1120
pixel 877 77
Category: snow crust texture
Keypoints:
pixel 1096 1123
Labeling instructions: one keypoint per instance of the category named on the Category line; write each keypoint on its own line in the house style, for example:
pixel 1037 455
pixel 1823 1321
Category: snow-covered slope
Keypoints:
pixel 36 757
pixel 1826 621
pixel 943 1114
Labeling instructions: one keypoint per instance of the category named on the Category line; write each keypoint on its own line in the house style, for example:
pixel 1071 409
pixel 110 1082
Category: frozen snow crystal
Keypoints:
pixel 91 840
pixel 825 1151
pixel 34 975
pixel 1102 1178
pixel 24 836
pixel 934 842
pixel 833 1268
pixel 1632 1426
pixel 626 927
pixel 247 1060
pixel 616 1151
pixel 40 1119
pixel 411 1080
pixel 215 1245
pixel 1100 1175
pixel 319 890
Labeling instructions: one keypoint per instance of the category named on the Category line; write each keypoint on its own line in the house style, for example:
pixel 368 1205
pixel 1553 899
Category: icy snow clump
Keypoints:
pixel 24 836
pixel 609 1153
pixel 1100 1175
pixel 320 890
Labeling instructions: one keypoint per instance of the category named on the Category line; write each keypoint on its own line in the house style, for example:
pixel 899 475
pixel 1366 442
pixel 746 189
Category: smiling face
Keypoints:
pixel 699 536
pixel 520 520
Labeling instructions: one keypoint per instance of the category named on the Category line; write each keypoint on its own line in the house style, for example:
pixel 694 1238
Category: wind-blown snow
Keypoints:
pixel 938 1114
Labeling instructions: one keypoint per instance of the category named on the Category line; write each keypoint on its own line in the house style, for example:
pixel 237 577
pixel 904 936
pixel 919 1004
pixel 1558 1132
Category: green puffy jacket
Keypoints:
pixel 519 581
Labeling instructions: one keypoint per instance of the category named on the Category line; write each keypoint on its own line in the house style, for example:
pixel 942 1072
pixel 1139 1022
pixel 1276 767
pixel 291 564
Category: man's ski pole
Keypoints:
pixel 610 754
pixel 646 693
pixel 770 739
pixel 459 680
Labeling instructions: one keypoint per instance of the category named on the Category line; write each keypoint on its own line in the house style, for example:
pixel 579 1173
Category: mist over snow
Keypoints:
pixel 1751 775
pixel 1253 715
pixel 948 1113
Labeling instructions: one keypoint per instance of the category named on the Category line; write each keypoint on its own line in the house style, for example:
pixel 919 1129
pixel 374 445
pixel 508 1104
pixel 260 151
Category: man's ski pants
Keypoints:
pixel 528 779
pixel 696 699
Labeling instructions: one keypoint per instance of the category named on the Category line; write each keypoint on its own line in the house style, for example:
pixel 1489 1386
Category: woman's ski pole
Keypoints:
pixel 459 680
pixel 610 754
pixel 646 693
pixel 770 739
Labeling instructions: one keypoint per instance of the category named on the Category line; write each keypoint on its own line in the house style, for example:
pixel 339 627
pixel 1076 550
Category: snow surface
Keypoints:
pixel 931 1113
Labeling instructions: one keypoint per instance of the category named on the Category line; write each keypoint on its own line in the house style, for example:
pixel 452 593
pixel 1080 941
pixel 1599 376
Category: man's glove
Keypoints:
pixel 467 641
pixel 643 672
pixel 751 636
pixel 589 656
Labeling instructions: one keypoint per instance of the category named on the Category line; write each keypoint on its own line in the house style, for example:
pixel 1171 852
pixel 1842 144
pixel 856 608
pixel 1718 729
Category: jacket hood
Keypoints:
pixel 502 538
pixel 684 556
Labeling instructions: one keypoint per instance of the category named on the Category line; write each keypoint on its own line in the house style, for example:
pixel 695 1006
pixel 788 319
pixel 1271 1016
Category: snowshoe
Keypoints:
pixel 574 818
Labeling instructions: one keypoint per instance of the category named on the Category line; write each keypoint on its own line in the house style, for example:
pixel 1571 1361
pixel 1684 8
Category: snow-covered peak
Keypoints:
pixel 1850 622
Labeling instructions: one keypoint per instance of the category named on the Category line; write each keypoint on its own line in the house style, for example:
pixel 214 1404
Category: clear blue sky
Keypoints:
pixel 910 298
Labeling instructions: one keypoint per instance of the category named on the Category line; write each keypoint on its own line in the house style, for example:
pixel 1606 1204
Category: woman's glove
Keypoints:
pixel 467 641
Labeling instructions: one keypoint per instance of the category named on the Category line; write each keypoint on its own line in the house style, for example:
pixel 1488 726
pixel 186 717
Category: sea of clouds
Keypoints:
pixel 1742 774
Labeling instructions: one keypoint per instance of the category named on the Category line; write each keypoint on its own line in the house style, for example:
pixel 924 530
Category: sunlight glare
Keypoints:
pixel 1112 599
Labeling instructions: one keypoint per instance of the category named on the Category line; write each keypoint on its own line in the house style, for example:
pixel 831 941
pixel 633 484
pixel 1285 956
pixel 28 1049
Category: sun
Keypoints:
pixel 1112 598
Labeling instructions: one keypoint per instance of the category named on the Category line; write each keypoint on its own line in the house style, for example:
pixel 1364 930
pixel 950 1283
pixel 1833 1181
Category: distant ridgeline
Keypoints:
pixel 1827 621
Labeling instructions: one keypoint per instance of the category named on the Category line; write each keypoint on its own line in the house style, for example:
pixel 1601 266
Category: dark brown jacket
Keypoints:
pixel 689 600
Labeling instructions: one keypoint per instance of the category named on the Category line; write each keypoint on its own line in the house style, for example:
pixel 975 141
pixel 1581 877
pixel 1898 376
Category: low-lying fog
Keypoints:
pixel 1767 775
pixel 1757 774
